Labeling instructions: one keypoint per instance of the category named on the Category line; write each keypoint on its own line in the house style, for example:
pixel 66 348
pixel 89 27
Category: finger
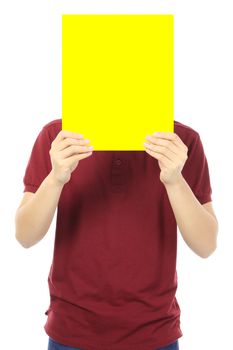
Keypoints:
pixel 63 134
pixel 170 136
pixel 66 133
pixel 164 142
pixel 69 142
pixel 167 144
pixel 161 158
pixel 71 150
pixel 70 161
pixel 167 152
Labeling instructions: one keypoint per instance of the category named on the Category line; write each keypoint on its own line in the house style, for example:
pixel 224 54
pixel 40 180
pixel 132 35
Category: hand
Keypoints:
pixel 68 148
pixel 171 153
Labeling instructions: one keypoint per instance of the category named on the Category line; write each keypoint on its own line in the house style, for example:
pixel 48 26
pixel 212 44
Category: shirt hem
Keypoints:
pixel 85 346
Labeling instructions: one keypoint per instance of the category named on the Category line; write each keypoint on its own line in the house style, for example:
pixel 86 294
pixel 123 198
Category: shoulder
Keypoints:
pixel 187 134
pixel 54 124
pixel 193 141
pixel 52 128
pixel 185 130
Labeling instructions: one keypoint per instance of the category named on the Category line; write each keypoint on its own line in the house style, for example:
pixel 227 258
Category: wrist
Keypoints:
pixel 178 183
pixel 53 181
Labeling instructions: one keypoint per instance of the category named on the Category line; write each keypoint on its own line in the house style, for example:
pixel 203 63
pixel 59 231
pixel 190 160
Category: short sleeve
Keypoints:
pixel 39 164
pixel 196 171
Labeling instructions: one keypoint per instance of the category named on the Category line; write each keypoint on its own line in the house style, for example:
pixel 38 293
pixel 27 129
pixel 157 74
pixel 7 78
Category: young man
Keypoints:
pixel 113 276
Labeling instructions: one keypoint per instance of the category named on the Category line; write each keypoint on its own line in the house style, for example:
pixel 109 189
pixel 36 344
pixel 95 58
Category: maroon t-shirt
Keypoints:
pixel 113 279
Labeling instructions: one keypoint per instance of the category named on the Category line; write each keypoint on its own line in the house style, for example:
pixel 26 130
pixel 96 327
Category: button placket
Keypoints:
pixel 118 173
pixel 118 161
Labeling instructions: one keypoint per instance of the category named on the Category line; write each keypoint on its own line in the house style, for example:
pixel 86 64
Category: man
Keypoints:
pixel 113 277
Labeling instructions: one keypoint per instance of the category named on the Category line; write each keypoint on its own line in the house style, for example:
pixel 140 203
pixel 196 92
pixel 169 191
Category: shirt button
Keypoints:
pixel 118 162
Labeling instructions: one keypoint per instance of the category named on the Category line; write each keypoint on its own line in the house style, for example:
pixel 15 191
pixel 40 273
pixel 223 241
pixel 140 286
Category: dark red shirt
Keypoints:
pixel 113 278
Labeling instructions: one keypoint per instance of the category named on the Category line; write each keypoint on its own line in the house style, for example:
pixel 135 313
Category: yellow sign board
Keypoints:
pixel 117 77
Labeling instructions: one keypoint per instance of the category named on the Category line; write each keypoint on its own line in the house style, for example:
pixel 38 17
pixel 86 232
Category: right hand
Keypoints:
pixel 68 148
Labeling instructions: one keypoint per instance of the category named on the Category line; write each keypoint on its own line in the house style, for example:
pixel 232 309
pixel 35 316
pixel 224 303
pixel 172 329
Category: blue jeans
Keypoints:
pixel 173 346
pixel 53 345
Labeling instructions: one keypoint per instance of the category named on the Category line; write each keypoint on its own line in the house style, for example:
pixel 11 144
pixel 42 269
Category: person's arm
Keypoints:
pixel 34 215
pixel 196 221
pixel 196 224
pixel 33 218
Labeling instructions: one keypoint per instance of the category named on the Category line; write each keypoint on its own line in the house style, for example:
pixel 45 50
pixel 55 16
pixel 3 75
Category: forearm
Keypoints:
pixel 33 219
pixel 197 226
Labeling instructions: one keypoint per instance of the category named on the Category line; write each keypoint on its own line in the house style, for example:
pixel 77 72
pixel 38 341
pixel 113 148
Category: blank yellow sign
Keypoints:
pixel 117 78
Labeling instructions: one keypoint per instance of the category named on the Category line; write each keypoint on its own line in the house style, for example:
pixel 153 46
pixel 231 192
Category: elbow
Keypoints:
pixel 207 253
pixel 210 249
pixel 19 237
pixel 21 241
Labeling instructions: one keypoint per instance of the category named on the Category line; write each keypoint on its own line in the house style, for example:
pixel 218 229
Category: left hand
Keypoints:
pixel 171 153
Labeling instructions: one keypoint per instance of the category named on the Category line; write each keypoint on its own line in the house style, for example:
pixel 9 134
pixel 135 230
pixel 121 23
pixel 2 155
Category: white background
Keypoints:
pixel 30 94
